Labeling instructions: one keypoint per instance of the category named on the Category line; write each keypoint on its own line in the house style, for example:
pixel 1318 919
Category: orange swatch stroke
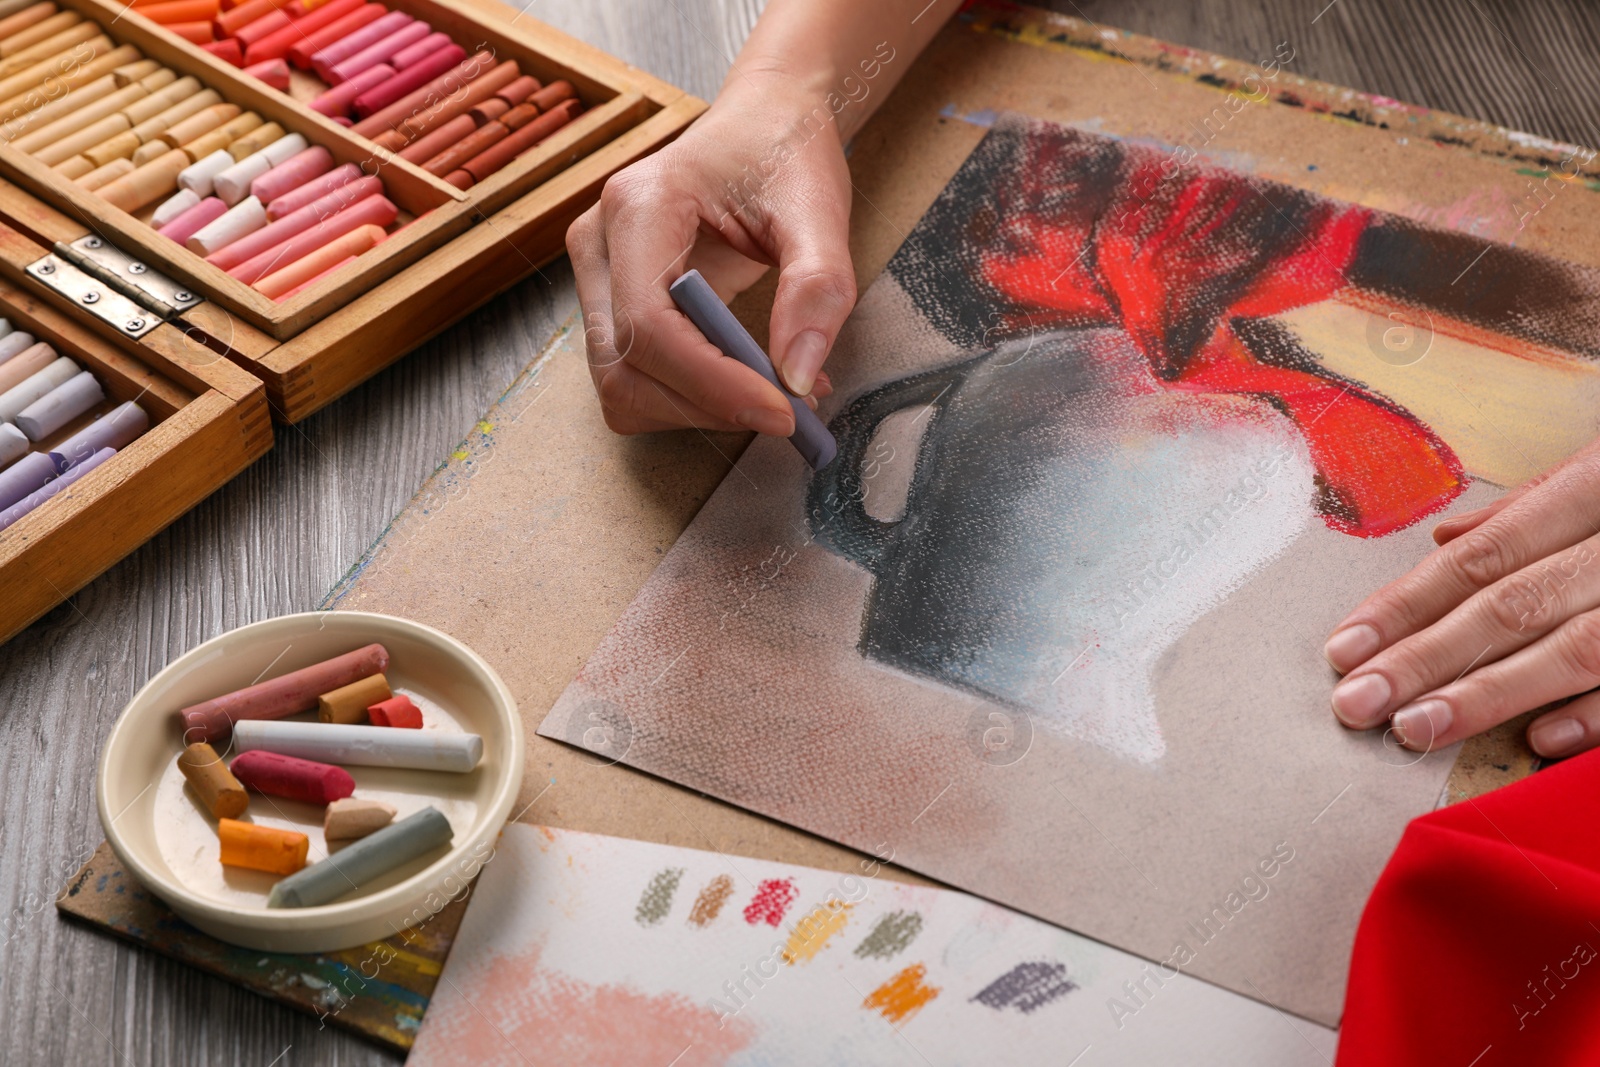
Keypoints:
pixel 903 995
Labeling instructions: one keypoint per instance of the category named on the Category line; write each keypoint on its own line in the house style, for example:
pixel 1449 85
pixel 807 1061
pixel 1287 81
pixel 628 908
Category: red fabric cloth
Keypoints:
pixel 1175 256
pixel 1480 946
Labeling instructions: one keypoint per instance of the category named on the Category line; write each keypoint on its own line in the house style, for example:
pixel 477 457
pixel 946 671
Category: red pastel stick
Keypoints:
pixel 277 45
pixel 396 711
pixel 227 50
pixel 263 27
pixel 275 72
pixel 291 777
pixel 409 80
pixel 300 54
pixel 336 101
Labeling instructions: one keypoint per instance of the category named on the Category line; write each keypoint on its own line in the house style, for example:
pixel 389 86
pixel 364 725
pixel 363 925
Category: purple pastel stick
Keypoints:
pixel 25 476
pixel 67 401
pixel 117 428
pixel 50 489
pixel 13 445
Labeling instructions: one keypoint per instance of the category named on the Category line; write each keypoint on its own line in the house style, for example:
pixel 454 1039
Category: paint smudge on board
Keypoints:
pixel 890 935
pixel 656 900
pixel 772 899
pixel 903 995
pixel 708 905
pixel 1027 987
pixel 812 933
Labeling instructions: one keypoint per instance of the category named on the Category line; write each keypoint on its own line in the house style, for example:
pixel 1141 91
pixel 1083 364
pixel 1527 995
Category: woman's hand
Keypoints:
pixel 1502 618
pixel 758 181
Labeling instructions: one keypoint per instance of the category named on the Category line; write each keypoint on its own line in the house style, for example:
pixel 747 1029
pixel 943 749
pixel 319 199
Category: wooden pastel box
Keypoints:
pixel 214 360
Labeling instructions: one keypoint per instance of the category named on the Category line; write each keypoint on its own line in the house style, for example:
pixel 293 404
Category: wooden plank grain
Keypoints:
pixel 277 537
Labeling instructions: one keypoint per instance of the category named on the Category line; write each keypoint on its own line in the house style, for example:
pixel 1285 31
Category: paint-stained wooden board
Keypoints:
pixel 379 990
pixel 279 536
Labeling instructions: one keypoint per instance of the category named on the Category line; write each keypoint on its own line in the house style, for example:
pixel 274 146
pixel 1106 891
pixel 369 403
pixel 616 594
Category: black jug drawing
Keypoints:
pixel 1068 518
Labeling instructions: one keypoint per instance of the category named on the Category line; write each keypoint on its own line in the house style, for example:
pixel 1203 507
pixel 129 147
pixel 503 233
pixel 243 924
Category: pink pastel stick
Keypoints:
pixel 374 210
pixel 275 233
pixel 292 173
pixel 379 52
pixel 312 190
pixel 343 120
pixel 370 34
pixel 187 224
pixel 336 101
pixel 409 80
pixel 413 52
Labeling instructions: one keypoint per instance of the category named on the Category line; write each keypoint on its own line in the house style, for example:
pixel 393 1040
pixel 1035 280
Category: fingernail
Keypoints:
pixel 767 421
pixel 1360 702
pixel 1351 647
pixel 1420 726
pixel 802 361
pixel 1555 737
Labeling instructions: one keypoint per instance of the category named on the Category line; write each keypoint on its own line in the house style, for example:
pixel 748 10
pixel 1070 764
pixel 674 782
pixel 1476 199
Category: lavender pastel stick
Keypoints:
pixel 696 299
pixel 51 488
pixel 60 406
pixel 13 444
pixel 25 476
pixel 14 342
pixel 117 428
pixel 353 866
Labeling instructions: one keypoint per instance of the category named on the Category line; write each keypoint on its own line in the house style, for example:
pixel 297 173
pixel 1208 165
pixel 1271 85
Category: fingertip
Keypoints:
pixel 1351 646
pixel 802 360
pixel 1553 736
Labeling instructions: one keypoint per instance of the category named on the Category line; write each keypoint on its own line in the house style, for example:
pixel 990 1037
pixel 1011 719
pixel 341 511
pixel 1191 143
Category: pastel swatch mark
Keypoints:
pixel 708 905
pixel 890 935
pixel 903 995
pixel 772 899
pixel 1026 987
pixel 656 900
pixel 812 932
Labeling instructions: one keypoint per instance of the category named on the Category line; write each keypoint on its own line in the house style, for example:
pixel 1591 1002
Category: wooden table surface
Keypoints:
pixel 278 537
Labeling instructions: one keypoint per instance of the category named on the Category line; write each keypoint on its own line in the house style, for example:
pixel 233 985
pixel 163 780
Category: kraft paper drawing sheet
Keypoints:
pixel 1122 436
pixel 586 950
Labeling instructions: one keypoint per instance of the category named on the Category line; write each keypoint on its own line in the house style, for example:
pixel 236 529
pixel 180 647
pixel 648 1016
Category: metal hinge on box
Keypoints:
pixel 113 286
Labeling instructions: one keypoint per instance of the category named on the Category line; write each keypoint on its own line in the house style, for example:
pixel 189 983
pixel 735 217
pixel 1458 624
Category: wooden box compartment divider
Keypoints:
pixel 215 368
pixel 208 421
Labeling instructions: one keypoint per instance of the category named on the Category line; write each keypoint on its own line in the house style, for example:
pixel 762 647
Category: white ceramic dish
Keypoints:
pixel 161 834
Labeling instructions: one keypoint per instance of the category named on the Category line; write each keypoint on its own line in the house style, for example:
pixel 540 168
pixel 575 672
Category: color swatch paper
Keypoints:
pixel 580 949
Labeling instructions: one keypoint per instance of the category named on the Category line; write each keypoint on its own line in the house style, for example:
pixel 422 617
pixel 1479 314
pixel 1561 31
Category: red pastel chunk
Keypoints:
pixel 396 711
pixel 291 777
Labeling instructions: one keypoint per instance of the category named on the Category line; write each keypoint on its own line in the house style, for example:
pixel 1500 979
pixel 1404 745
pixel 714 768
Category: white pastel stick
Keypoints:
pixel 360 746
pixel 247 216
pixel 173 206
pixel 60 406
pixel 15 342
pixel 233 184
pixel 197 177
pixel 57 373
pixel 13 444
